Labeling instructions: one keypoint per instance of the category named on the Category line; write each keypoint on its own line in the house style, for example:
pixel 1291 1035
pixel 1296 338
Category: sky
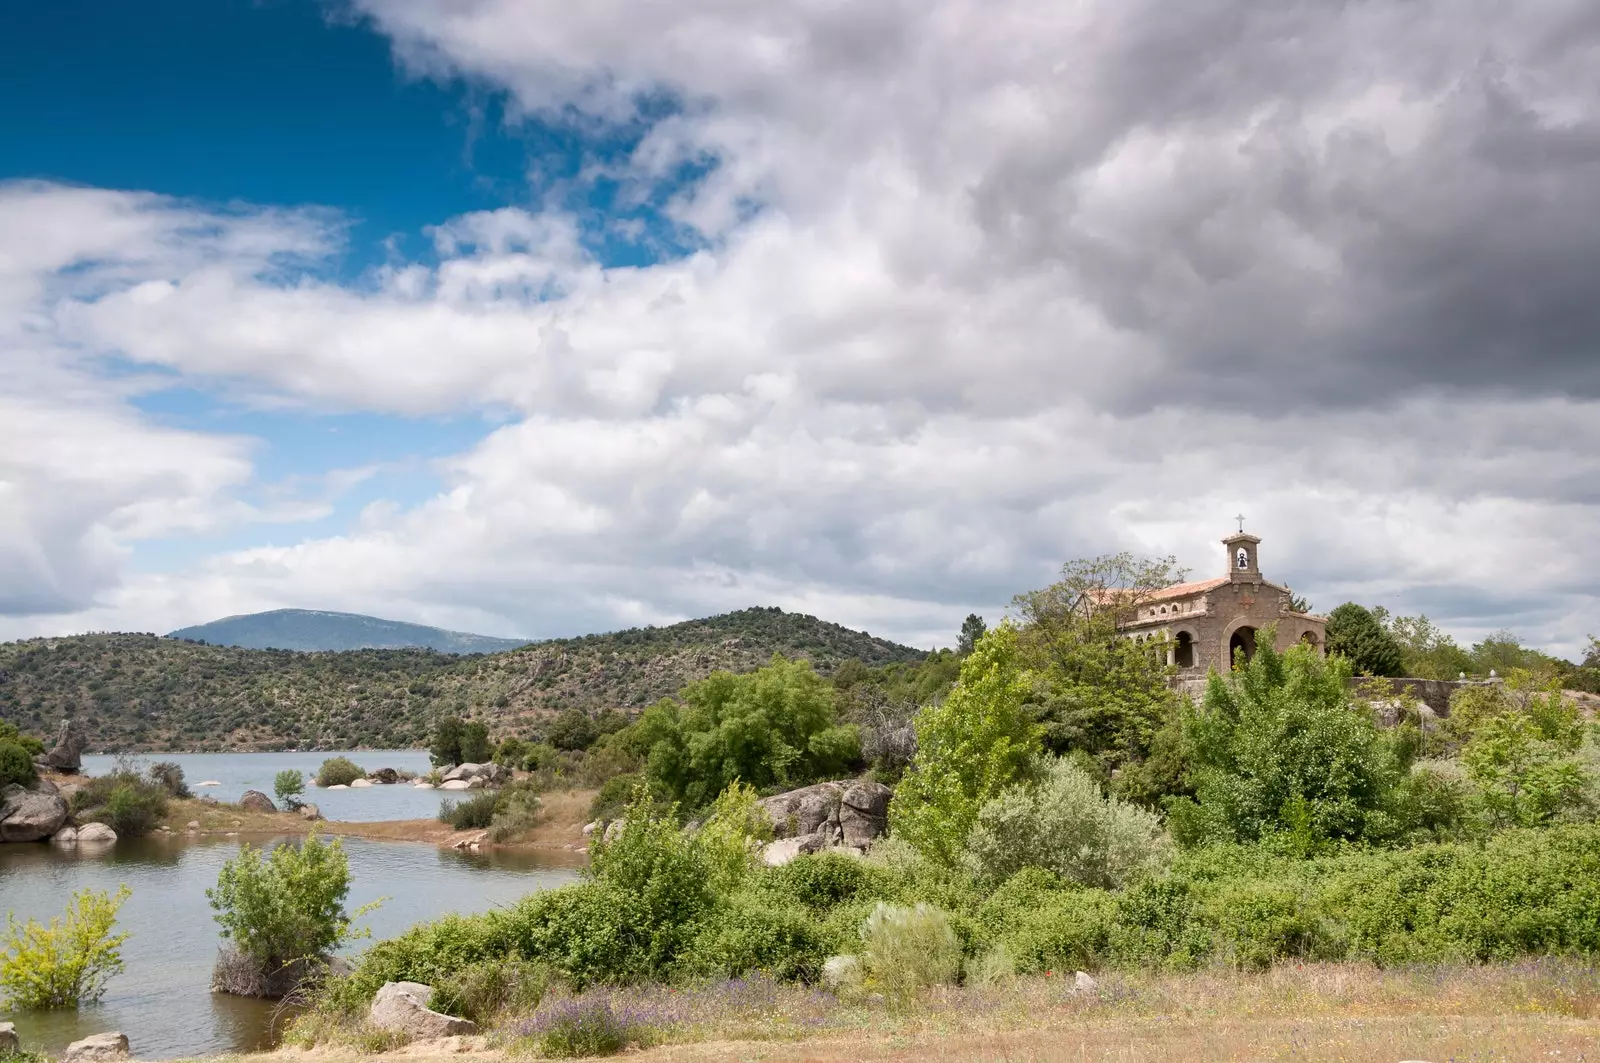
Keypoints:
pixel 534 319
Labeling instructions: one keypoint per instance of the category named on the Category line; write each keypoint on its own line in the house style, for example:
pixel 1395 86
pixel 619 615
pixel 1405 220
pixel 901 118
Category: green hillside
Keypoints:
pixel 148 693
pixel 318 629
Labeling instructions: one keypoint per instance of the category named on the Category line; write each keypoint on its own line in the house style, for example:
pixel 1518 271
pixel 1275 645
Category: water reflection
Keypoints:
pixel 163 1000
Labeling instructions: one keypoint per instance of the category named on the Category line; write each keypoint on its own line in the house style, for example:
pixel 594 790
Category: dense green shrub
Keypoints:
pixel 339 771
pixel 127 802
pixel 774 727
pixel 970 748
pixel 16 766
pixel 287 907
pixel 751 933
pixel 472 813
pixel 67 962
pixel 30 744
pixel 1065 824
pixel 484 990
pixel 1278 747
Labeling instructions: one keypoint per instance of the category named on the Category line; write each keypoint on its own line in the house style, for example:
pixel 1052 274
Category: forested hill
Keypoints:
pixel 316 629
pixel 147 693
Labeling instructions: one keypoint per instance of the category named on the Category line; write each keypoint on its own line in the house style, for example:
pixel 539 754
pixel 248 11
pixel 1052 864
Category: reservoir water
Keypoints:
pixel 162 1000
pixel 238 772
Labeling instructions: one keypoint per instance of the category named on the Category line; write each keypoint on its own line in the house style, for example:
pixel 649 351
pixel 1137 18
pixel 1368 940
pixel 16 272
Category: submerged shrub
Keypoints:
pixel 69 961
pixel 906 949
pixel 339 771
pixel 1067 826
pixel 287 907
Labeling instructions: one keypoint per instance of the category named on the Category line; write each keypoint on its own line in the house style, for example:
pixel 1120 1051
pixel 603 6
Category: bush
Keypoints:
pixel 339 771
pixel 484 990
pixel 16 766
pixel 290 786
pixel 1357 635
pixel 169 776
pixel 750 933
pixel 905 950
pixel 287 907
pixel 516 811
pixel 472 813
pixel 30 744
pixel 1067 826
pixel 969 748
pixel 1278 748
pixel 127 802
pixel 67 962
pixel 581 1026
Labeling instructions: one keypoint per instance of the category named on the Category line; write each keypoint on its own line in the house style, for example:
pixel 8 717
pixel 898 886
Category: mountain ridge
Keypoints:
pixel 150 693
pixel 329 631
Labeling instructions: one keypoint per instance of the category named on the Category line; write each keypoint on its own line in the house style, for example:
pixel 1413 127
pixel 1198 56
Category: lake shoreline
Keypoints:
pixel 559 831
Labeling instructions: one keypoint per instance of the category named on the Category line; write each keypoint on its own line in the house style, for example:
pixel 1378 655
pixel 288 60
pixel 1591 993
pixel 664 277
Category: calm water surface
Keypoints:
pixel 238 772
pixel 162 1001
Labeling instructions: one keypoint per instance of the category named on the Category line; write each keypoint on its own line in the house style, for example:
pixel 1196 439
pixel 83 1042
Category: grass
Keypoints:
pixel 1546 1009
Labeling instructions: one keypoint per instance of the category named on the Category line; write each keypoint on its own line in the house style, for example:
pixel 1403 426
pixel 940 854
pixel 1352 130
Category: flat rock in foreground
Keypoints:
pixel 403 1006
pixel 97 1048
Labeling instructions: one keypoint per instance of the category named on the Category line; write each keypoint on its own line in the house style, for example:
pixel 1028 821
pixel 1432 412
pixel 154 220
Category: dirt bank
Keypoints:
pixel 561 829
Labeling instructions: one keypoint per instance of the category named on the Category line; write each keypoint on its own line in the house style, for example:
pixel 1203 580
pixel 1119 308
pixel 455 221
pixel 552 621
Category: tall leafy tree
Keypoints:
pixel 970 747
pixel 1358 635
pixel 1096 690
pixel 445 748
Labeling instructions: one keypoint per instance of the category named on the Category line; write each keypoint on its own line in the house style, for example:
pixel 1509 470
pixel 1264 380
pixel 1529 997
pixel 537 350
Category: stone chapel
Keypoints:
pixel 1204 622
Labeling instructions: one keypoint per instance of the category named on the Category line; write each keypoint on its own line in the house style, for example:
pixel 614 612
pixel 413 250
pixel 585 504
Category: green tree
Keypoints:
pixel 476 748
pixel 771 727
pixel 1279 747
pixel 1357 635
pixel 1097 690
pixel 573 729
pixel 972 629
pixel 287 906
pixel 67 962
pixel 445 748
pixel 290 786
pixel 1521 739
pixel 1426 651
pixel 970 747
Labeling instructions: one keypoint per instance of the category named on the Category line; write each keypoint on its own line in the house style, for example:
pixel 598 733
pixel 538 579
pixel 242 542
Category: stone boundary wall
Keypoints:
pixel 1434 693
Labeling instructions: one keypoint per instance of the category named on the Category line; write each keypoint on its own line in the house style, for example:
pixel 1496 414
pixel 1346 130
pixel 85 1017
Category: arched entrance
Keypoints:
pixel 1183 650
pixel 1242 639
pixel 1310 639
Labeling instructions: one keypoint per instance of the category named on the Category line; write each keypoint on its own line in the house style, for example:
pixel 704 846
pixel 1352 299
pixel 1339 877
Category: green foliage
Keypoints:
pixel 1426 652
pixel 511 753
pixel 1357 635
pixel 290 786
pixel 1065 825
pixel 1521 737
pixel 582 1028
pixel 471 813
pixel 69 961
pixel 129 803
pixel 517 810
pixel 1278 747
pixel 286 906
pixel 168 775
pixel 475 745
pixel 339 771
pixel 971 747
pixel 972 629
pixel 774 727
pixel 907 949
pixel 573 729
pixel 444 748
pixel 484 990
pixel 30 744
pixel 1096 690
pixel 16 766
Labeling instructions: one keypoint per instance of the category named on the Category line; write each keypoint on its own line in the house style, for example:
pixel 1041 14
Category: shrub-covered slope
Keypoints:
pixel 145 692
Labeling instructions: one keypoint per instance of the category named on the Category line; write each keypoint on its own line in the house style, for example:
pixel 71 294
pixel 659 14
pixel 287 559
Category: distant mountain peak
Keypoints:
pixel 323 630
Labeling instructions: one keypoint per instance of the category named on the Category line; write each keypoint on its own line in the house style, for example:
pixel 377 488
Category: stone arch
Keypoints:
pixel 1309 638
pixel 1183 649
pixel 1242 635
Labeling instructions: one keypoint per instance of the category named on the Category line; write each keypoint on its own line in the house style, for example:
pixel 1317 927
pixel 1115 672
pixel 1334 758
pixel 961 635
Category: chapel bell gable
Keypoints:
pixel 1243 565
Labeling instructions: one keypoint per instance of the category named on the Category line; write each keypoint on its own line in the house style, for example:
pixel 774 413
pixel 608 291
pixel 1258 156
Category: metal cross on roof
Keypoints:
pixel 1240 519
